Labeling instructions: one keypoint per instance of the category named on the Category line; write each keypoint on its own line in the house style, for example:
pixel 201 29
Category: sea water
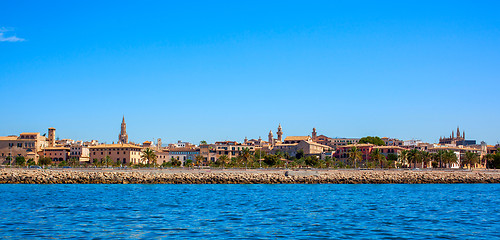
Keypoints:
pixel 315 211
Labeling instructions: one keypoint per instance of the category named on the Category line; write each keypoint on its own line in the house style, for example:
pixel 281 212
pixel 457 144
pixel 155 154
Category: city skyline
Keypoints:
pixel 124 138
pixel 219 71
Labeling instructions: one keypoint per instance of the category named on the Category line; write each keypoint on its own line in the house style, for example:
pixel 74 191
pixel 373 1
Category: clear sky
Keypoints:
pixel 210 70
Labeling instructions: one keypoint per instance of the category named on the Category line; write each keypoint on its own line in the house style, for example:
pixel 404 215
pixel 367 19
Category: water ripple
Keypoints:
pixel 310 211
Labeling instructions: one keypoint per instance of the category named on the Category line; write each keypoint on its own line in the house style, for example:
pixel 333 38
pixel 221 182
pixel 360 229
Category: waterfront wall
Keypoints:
pixel 242 177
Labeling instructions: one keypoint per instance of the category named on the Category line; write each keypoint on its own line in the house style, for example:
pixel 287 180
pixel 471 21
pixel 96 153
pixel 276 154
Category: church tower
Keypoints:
pixel 458 132
pixel 270 136
pixel 123 137
pixel 280 133
pixel 314 134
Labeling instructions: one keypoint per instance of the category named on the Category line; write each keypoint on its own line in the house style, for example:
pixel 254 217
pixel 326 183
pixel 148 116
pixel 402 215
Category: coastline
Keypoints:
pixel 242 176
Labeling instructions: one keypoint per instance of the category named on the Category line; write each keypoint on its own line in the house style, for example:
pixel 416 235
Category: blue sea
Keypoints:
pixel 316 211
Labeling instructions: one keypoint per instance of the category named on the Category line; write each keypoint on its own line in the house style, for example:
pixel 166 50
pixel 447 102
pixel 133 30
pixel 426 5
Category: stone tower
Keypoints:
pixel 314 134
pixel 458 132
pixel 280 133
pixel 123 137
pixel 52 137
pixel 158 144
pixel 270 136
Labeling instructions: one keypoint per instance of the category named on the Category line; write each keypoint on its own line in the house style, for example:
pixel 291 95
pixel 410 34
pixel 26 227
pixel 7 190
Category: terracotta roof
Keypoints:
pixel 127 145
pixel 357 145
pixel 389 147
pixel 7 138
pixel 297 138
pixel 56 148
pixel 286 144
pixel 184 150
pixel 29 133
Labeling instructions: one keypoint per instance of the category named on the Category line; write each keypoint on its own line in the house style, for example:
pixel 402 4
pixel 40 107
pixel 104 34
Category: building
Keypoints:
pixel 123 136
pixel 26 144
pixel 79 152
pixel 184 154
pixel 162 156
pixel 123 153
pixel 457 140
pixel 231 149
pixel 392 141
pixel 459 152
pixel 57 154
pixel 342 152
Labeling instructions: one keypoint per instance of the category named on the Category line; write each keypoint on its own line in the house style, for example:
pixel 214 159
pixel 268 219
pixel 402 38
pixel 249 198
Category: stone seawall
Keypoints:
pixel 86 176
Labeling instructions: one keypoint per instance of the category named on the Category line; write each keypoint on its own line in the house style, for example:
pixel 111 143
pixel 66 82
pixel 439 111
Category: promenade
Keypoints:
pixel 242 176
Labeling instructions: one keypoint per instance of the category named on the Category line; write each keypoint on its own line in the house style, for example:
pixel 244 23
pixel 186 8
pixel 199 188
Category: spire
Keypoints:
pixel 458 132
pixel 123 120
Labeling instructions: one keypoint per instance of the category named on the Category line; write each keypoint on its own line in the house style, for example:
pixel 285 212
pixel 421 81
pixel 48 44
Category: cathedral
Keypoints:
pixel 459 139
pixel 123 137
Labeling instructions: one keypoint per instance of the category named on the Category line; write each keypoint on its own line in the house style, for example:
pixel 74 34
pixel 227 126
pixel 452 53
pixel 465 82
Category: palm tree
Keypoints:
pixel 355 155
pixel 403 155
pixel 440 156
pixel 412 157
pixel 424 157
pixel 224 159
pixel 149 156
pixel 377 156
pixel 246 156
pixel 450 157
pixel 470 159
pixel 199 159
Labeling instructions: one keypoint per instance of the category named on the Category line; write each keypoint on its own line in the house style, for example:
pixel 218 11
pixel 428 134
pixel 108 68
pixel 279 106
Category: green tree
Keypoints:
pixel 403 157
pixel 246 156
pixel 493 161
pixel 425 157
pixel 373 140
pixel 107 160
pixel 189 163
pixel 224 160
pixel 470 159
pixel 31 162
pixel 45 161
pixel 311 161
pixel 175 162
pixel 271 160
pixel 300 154
pixel 73 162
pixel 149 156
pixel 355 155
pixel 203 142
pixel 20 161
pixel 199 160
pixel 377 156
pixel 450 157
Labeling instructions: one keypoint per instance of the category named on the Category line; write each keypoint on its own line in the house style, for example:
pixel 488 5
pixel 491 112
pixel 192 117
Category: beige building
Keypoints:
pixel 57 154
pixel 79 152
pixel 26 144
pixel 162 156
pixel 123 153
pixel 292 144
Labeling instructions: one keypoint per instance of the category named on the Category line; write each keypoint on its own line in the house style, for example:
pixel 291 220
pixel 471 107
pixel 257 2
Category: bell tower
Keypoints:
pixel 123 137
pixel 280 133
pixel 270 137
pixel 314 134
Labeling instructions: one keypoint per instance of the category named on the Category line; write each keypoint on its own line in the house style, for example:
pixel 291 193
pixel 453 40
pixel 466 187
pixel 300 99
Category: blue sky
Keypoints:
pixel 223 70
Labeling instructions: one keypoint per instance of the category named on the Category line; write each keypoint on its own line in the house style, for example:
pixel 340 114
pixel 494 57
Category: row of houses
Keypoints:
pixel 34 146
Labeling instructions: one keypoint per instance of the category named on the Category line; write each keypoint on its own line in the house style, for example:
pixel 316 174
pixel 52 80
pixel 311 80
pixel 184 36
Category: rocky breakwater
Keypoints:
pixel 28 176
